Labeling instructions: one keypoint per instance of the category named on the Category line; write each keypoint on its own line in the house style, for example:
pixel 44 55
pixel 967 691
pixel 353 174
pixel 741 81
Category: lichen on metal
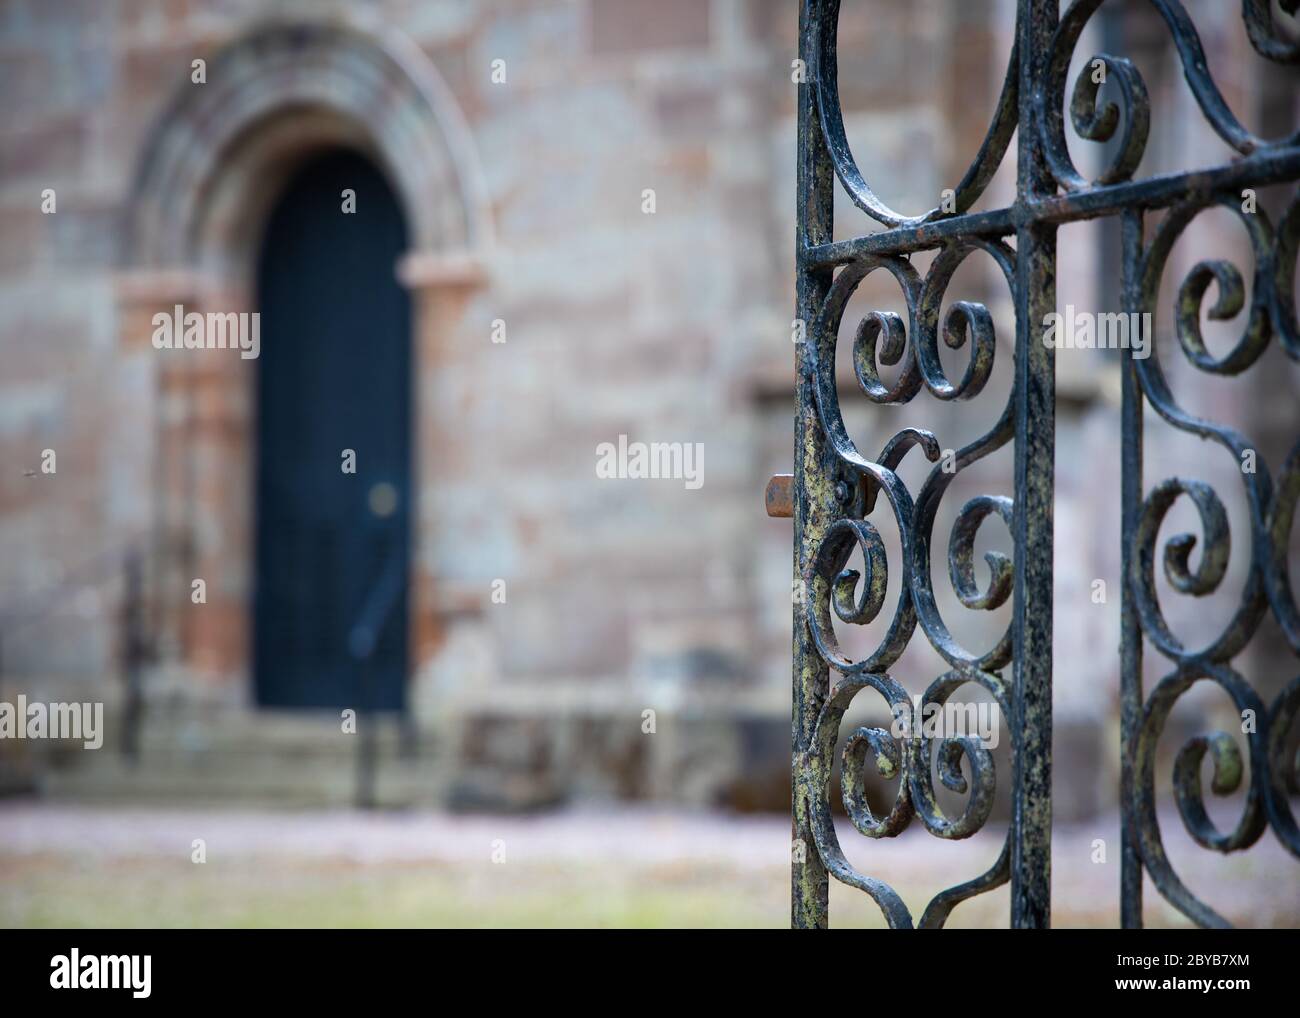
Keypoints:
pixel 836 489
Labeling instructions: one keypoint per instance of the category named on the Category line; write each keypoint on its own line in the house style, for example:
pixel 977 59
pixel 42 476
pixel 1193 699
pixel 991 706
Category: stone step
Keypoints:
pixel 260 733
pixel 211 778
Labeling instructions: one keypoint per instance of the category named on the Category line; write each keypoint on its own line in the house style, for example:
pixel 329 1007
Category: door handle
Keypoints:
pixel 382 499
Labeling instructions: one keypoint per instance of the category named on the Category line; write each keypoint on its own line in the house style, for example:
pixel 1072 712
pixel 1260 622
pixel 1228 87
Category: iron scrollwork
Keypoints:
pixel 839 510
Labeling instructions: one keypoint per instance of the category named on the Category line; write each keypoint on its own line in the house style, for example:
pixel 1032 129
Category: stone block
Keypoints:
pixel 625 26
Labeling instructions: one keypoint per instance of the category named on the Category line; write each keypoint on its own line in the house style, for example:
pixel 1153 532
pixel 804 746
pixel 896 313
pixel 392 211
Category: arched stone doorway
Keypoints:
pixel 219 158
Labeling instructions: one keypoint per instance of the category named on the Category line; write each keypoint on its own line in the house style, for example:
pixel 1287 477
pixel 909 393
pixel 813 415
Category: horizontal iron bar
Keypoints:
pixel 1267 166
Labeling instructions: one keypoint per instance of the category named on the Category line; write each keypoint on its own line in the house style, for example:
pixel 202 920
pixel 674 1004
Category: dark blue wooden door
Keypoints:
pixel 334 375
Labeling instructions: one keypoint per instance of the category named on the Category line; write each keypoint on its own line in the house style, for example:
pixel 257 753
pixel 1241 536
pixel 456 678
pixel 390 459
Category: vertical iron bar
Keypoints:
pixel 1035 422
pixel 133 652
pixel 367 721
pixel 1130 696
pixel 814 506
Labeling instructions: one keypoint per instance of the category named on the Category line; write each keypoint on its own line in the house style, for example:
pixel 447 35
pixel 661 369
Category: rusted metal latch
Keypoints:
pixel 780 496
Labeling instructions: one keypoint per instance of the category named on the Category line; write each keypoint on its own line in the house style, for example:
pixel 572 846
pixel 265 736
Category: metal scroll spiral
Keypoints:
pixel 1267 586
pixel 835 592
pixel 824 79
pixel 1272 311
pixel 1132 115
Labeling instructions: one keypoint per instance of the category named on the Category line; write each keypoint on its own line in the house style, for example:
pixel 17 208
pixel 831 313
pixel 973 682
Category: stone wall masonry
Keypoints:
pixel 665 327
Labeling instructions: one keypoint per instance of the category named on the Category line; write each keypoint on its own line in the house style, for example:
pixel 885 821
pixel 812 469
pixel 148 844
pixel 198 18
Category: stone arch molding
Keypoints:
pixel 275 94
pixel 207 176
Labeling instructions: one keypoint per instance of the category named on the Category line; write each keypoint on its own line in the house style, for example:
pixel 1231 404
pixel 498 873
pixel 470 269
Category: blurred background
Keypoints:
pixel 468 681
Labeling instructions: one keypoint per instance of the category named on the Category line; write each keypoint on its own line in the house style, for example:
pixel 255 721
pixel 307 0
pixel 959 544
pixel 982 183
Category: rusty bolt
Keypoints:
pixel 780 496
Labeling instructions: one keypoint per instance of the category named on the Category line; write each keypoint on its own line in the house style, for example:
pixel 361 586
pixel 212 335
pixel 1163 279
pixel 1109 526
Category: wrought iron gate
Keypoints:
pixel 835 487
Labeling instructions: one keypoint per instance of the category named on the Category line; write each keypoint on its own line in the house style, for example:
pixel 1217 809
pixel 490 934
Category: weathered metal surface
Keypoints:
pixel 815 504
pixel 836 488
